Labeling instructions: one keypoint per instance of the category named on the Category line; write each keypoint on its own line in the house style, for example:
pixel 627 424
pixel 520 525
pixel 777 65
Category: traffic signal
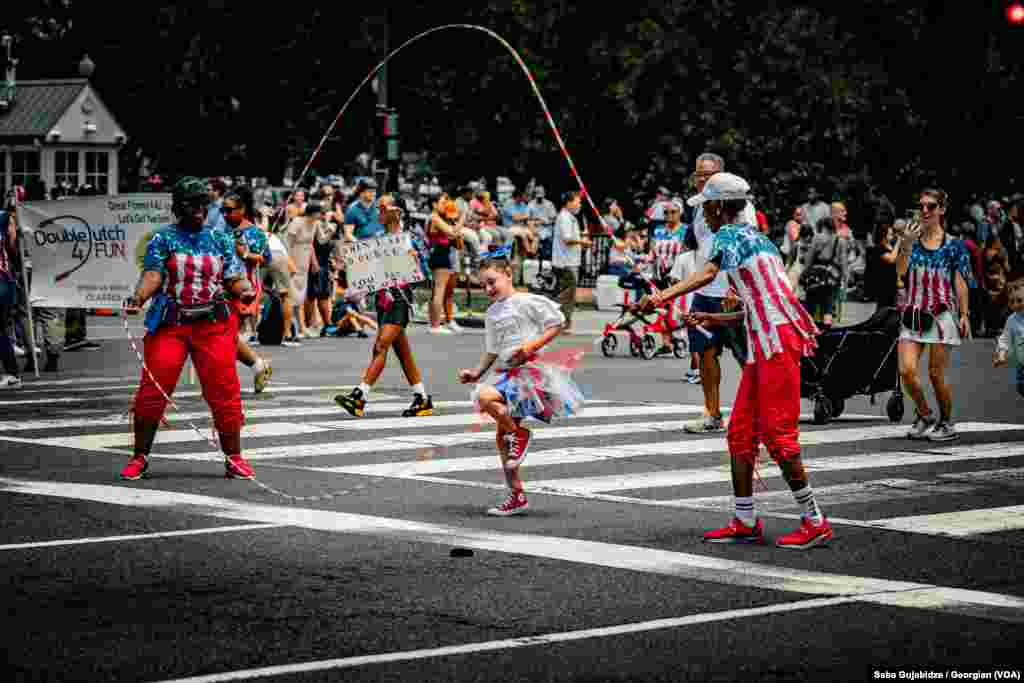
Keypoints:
pixel 1015 14
pixel 390 119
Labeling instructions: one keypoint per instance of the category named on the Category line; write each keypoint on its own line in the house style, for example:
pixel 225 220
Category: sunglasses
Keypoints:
pixel 929 206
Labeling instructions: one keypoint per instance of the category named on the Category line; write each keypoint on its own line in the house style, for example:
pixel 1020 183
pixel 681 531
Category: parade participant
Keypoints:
pixel 517 327
pixel 937 272
pixel 1010 345
pixel 253 249
pixel 711 299
pixel 779 332
pixel 394 311
pixel 188 269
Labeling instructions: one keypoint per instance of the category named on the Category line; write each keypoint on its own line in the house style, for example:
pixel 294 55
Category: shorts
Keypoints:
pixel 279 280
pixel 320 285
pixel 732 337
pixel 440 257
pixel 821 302
pixel 400 312
pixel 943 331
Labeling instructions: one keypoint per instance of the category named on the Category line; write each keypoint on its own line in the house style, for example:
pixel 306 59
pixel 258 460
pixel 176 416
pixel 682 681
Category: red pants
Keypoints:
pixel 767 406
pixel 213 348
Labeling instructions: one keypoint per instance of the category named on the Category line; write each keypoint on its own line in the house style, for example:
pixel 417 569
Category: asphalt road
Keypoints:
pixel 186 574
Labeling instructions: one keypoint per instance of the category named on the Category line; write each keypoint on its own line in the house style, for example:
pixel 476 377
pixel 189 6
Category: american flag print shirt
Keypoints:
pixel 195 265
pixel 931 274
pixel 756 271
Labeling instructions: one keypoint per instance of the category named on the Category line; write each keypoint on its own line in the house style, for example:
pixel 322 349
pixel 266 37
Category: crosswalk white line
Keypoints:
pixel 106 442
pixel 860 462
pixel 573 455
pixel 178 394
pixel 688 566
pixel 959 524
pixel 843 494
pixel 1010 476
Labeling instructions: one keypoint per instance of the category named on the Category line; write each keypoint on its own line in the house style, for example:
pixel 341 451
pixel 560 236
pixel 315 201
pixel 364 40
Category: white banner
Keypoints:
pixel 87 252
pixel 379 262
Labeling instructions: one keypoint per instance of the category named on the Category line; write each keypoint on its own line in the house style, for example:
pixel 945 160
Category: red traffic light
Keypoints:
pixel 1015 14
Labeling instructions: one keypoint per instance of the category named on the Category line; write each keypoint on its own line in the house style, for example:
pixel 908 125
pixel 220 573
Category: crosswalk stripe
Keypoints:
pixel 959 524
pixel 90 442
pixel 573 455
pixel 1012 476
pixel 178 394
pixel 843 494
pixel 689 566
pixel 667 478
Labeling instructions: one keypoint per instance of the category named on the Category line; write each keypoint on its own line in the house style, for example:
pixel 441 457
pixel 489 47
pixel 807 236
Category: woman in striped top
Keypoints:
pixel 936 271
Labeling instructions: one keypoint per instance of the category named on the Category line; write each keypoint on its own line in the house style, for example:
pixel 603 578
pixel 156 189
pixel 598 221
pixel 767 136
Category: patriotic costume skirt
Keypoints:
pixel 943 331
pixel 537 390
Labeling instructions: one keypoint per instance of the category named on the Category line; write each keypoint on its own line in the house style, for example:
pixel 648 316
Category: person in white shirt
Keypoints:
pixel 710 299
pixel 1010 345
pixel 517 327
pixel 685 266
pixel 567 254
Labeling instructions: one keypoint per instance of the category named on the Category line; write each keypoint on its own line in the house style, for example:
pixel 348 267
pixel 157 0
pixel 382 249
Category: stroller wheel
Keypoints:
pixel 680 349
pixel 838 405
pixel 894 407
pixel 648 347
pixel 822 410
pixel 634 348
pixel 608 345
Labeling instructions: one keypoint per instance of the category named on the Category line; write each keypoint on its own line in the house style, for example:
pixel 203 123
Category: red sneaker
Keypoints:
pixel 237 467
pixel 519 444
pixel 807 536
pixel 737 532
pixel 135 468
pixel 515 504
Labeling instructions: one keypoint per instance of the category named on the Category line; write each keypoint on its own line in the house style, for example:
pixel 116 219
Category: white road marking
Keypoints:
pixel 1012 476
pixel 842 494
pixel 686 477
pixel 138 537
pixel 514 643
pixel 689 566
pixel 108 442
pixel 584 454
pixel 958 524
pixel 178 394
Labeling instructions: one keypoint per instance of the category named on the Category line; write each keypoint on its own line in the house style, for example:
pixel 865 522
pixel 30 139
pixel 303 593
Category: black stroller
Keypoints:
pixel 851 361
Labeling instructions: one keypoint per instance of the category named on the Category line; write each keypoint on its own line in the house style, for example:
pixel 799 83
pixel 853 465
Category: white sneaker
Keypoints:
pixel 18 351
pixel 10 382
pixel 441 330
pixel 312 333
pixel 454 326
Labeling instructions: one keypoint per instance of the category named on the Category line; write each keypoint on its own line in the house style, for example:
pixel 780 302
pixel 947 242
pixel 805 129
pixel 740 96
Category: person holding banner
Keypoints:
pixel 188 270
pixel 8 300
pixel 394 311
pixel 252 247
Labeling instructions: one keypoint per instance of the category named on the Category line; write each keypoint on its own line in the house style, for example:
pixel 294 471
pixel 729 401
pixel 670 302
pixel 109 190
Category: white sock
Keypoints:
pixel 365 388
pixel 745 510
pixel 258 366
pixel 419 389
pixel 805 499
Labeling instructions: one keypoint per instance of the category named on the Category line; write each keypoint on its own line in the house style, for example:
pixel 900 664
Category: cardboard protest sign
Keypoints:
pixel 85 251
pixel 380 262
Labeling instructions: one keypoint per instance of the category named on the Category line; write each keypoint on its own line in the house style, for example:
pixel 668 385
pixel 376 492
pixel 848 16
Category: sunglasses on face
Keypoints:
pixel 929 206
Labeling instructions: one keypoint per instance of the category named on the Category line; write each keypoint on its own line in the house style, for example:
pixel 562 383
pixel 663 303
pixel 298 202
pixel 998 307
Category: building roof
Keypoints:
pixel 39 105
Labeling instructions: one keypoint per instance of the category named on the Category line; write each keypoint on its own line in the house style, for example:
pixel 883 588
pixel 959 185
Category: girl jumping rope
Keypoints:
pixel 517 327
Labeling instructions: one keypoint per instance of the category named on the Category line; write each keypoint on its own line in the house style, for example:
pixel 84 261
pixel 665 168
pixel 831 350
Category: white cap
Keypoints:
pixel 721 186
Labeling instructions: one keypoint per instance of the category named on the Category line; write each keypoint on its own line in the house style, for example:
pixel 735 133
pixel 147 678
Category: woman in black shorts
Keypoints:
pixel 443 230
pixel 394 307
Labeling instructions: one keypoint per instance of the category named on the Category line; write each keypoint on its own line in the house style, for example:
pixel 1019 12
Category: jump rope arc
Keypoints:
pixel 373 72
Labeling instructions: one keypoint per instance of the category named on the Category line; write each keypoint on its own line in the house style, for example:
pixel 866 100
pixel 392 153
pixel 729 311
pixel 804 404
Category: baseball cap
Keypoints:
pixel 721 186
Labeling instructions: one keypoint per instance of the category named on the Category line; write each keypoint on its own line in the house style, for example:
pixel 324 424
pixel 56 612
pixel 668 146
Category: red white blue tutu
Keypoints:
pixel 541 391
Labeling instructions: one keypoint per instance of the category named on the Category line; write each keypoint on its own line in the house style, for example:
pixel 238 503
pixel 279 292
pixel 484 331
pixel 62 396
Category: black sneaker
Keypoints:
pixel 354 403
pixel 420 407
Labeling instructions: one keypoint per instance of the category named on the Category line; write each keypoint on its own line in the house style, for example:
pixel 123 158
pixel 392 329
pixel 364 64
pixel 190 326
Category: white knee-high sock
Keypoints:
pixel 745 510
pixel 809 506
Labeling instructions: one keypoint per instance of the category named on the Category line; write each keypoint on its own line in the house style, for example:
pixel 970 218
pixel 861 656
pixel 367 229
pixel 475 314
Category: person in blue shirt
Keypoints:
pixel 362 219
pixel 517 219
pixel 215 211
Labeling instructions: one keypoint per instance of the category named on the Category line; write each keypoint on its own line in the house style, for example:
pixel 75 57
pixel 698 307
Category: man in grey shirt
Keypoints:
pixel 567 253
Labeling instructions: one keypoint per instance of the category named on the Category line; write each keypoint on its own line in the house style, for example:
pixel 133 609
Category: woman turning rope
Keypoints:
pixel 188 270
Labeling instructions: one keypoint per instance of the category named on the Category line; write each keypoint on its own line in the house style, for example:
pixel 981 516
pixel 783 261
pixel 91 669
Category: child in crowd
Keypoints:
pixel 517 327
pixel 1010 345
pixel 347 314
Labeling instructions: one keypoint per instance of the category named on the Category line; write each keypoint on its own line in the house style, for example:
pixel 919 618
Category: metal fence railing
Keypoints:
pixel 594 261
